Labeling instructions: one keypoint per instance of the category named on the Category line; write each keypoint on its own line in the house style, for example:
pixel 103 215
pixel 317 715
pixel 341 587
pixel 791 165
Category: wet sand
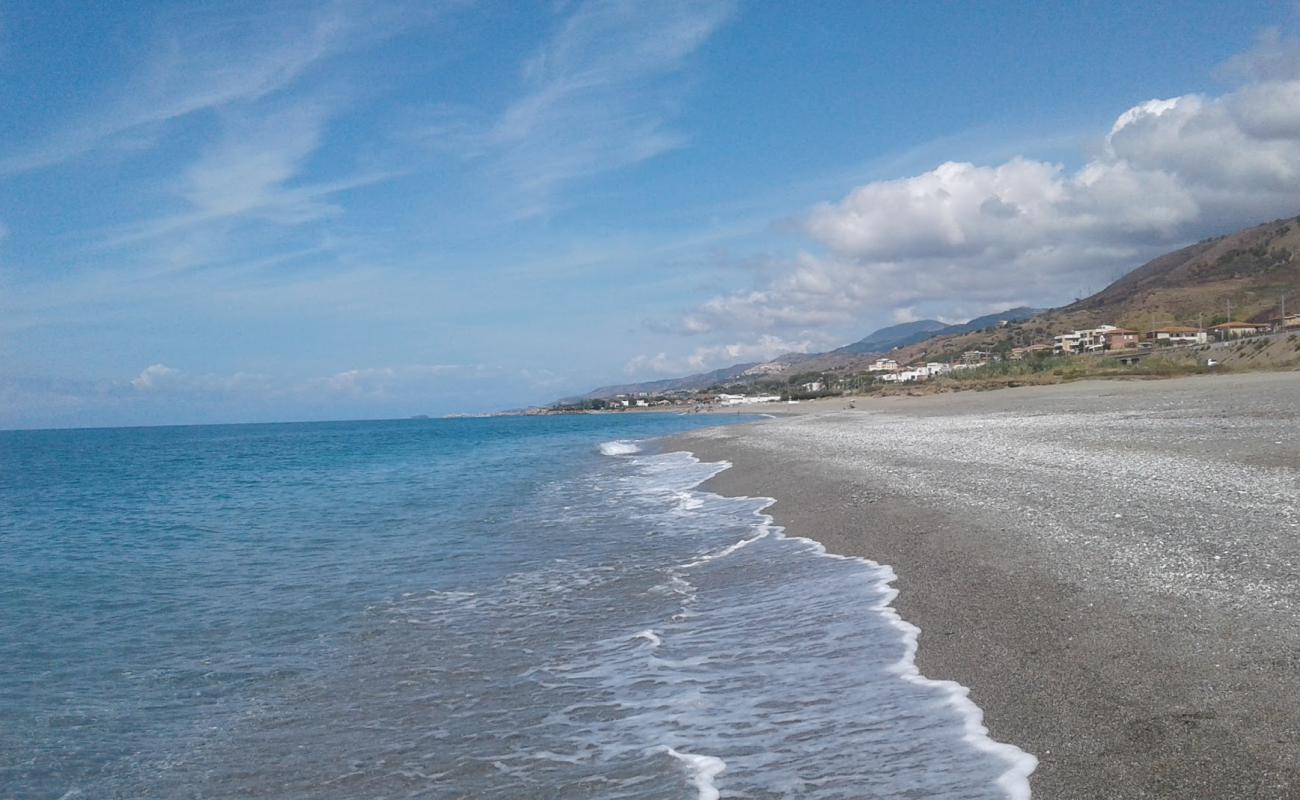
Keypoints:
pixel 1112 567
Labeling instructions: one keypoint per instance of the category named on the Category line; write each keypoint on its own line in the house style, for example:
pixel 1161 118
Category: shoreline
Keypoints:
pixel 1139 637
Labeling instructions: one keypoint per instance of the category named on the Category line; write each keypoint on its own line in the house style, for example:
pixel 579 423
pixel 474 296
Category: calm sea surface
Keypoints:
pixel 478 608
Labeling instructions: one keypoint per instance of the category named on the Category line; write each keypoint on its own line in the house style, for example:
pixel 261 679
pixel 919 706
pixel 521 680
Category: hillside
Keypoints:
pixel 847 359
pixel 886 339
pixel 1246 273
pixel 1251 270
pixel 687 383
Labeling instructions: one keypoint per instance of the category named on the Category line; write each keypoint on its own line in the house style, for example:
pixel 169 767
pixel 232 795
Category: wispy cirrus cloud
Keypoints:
pixel 202 61
pixel 252 173
pixel 598 96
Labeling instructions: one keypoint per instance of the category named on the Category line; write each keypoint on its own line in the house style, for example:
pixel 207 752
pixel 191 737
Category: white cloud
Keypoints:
pixel 155 377
pixel 1169 171
pixel 247 175
pixel 597 96
pixel 201 62
pixel 254 159
pixel 1275 57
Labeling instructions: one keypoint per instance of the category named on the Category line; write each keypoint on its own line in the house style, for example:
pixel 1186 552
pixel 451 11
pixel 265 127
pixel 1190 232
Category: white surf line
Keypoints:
pixel 726 551
pixel 1014 781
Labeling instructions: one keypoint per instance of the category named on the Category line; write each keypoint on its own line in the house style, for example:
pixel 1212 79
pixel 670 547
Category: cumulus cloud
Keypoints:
pixel 1168 171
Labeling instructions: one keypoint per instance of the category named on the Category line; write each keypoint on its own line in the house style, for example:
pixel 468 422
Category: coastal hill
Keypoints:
pixel 886 339
pixel 1243 276
pixel 688 383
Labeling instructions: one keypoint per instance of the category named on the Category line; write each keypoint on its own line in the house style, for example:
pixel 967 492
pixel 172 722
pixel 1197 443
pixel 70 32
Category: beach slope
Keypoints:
pixel 1112 567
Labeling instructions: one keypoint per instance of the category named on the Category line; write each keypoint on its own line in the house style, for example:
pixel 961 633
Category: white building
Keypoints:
pixel 883 365
pixel 1088 340
pixel 1176 334
pixel 916 373
pixel 745 400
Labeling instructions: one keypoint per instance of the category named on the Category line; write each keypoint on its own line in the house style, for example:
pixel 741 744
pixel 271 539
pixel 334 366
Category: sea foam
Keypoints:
pixel 703 770
pixel 619 447
pixel 1014 779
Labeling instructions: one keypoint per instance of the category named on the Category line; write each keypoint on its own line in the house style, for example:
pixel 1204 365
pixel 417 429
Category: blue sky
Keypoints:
pixel 253 212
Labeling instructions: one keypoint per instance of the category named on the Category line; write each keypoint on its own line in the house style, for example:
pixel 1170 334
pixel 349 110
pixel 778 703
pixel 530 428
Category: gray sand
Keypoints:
pixel 1112 567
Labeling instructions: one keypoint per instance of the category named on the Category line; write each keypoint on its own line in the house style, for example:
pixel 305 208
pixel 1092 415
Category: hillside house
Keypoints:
pixel 1019 353
pixel 746 400
pixel 974 357
pixel 1066 343
pixel 1233 330
pixel 917 372
pixel 1120 339
pixel 1094 340
pixel 1290 322
pixel 883 365
pixel 1176 334
pixel 908 375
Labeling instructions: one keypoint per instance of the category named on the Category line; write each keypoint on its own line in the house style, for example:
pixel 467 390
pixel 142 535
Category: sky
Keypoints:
pixel 249 212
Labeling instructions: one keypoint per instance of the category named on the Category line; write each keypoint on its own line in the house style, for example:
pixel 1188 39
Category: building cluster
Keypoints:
pixel 1111 337
pixel 746 399
pixel 1103 338
pixel 887 370
pixel 1092 340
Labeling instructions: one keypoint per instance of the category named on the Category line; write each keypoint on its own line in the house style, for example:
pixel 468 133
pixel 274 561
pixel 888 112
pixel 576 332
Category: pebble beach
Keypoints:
pixel 1112 568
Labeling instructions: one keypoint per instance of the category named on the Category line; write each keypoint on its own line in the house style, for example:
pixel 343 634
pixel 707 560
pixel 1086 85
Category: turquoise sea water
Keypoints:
pixel 508 607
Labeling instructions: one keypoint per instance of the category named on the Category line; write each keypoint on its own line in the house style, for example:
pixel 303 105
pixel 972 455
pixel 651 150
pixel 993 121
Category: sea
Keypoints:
pixel 506 607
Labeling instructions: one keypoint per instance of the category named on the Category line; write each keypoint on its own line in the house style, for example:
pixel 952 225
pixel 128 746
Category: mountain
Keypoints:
pixel 700 380
pixel 887 339
pixel 1018 314
pixel 1245 274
